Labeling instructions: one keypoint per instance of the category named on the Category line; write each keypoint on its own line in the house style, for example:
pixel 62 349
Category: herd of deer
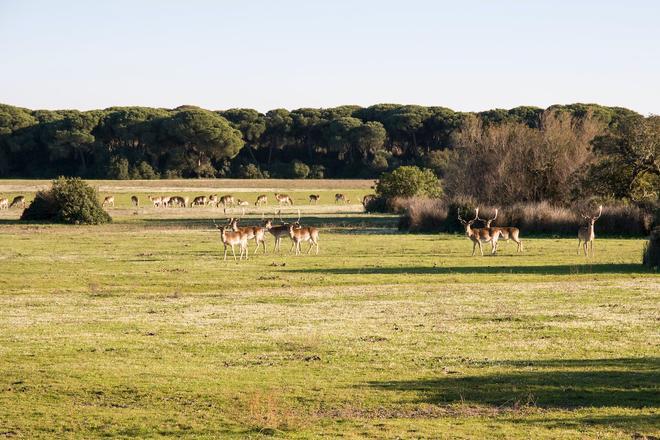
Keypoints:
pixel 492 235
pixel 18 201
pixel 233 235
pixel 226 201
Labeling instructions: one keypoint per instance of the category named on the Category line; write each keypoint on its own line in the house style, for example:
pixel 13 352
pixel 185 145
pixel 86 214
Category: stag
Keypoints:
pixel 506 232
pixel 301 234
pixel 477 235
pixel 283 199
pixel 258 233
pixel 586 233
pixel 232 238
pixel 278 231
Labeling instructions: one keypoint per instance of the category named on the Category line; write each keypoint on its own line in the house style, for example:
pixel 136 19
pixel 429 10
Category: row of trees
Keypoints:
pixel 525 153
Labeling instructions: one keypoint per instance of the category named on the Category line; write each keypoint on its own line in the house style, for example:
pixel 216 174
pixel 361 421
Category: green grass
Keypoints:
pixel 139 329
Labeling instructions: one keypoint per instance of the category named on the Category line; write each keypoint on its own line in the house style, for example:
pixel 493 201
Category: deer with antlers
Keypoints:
pixel 277 231
pixel 258 233
pixel 300 234
pixel 506 232
pixel 477 235
pixel 232 238
pixel 586 233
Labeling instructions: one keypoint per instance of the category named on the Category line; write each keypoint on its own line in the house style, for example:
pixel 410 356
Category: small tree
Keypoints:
pixel 70 200
pixel 300 170
pixel 408 181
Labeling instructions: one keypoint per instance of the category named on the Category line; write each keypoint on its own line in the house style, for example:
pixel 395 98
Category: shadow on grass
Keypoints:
pixel 561 269
pixel 564 384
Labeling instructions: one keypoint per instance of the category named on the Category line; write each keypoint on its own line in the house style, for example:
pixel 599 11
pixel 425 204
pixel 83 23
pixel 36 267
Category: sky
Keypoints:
pixel 468 56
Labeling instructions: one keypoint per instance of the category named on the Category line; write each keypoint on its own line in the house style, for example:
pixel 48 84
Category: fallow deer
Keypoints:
pixel 213 200
pixel 199 201
pixel 586 233
pixel 109 200
pixel 178 201
pixel 243 203
pixel 261 200
pixel 165 201
pixel 314 198
pixel 4 203
pixel 232 238
pixel 277 232
pixel 506 232
pixel 258 233
pixel 135 201
pixel 283 199
pixel 301 234
pixel 226 201
pixel 477 235
pixel 340 198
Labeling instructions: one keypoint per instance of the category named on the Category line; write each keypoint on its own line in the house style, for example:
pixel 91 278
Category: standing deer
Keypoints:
pixel 477 235
pixel 165 201
pixel 157 201
pixel 199 201
pixel 227 200
pixel 586 233
pixel 232 238
pixel 178 201
pixel 506 232
pixel 314 198
pixel 135 201
pixel 243 203
pixel 301 234
pixel 283 199
pixel 213 200
pixel 258 233
pixel 4 203
pixel 340 198
pixel 110 200
pixel 20 200
pixel 261 200
pixel 278 231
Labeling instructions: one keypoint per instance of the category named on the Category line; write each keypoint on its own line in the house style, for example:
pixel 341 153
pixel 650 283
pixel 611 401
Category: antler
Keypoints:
pixel 298 221
pixel 600 212
pixel 279 214
pixel 476 214
pixel 495 215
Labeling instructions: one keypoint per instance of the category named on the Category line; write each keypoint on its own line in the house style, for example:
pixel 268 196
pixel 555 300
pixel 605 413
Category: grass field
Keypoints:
pixel 140 329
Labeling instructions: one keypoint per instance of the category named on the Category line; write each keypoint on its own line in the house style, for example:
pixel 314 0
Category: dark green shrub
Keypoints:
pixel 651 257
pixel 144 171
pixel 299 170
pixel 70 200
pixel 408 181
pixel 250 171
pixel 317 172
pixel 118 168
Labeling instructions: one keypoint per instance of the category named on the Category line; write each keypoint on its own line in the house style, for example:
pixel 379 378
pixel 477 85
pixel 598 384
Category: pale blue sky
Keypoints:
pixel 471 55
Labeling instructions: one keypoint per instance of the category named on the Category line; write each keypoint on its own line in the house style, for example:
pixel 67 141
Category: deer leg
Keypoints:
pixel 311 244
pixel 232 252
pixel 585 245
pixel 579 241
pixel 474 247
pixel 225 259
pixel 592 248
pixel 494 249
pixel 481 248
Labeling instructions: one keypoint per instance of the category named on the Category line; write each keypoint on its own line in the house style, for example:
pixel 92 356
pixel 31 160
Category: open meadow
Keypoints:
pixel 140 329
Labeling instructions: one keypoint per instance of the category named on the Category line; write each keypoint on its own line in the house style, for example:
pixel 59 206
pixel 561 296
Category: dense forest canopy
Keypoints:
pixel 550 149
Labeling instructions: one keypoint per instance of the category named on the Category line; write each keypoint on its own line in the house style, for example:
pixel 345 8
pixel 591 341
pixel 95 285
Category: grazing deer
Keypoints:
pixel 110 200
pixel 4 203
pixel 227 200
pixel 213 200
pixel 340 198
pixel 283 199
pixel 243 203
pixel 232 238
pixel 301 234
pixel 277 232
pixel 157 201
pixel 258 233
pixel 314 198
pixel 477 235
pixel 178 201
pixel 165 201
pixel 199 201
pixel 261 200
pixel 135 201
pixel 586 233
pixel 506 232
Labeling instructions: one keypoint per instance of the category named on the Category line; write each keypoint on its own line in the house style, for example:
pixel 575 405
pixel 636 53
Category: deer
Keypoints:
pixel 135 201
pixel 314 198
pixel 232 238
pixel 155 200
pixel 243 203
pixel 178 201
pixel 258 233
pixel 506 232
pixel 165 201
pixel 278 231
pixel 586 233
pixel 4 203
pixel 109 200
pixel 225 201
pixel 301 234
pixel 340 198
pixel 477 235
pixel 261 200
pixel 213 200
pixel 199 201
pixel 283 199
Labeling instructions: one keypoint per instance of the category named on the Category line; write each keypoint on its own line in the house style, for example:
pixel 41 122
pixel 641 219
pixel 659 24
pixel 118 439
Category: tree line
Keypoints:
pixel 525 153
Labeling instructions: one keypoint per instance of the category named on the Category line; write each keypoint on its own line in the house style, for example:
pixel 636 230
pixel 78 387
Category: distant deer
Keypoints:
pixel 199 201
pixel 258 233
pixel 179 201
pixel 110 200
pixel 278 231
pixel 477 235
pixel 135 201
pixel 165 201
pixel 314 198
pixel 283 199
pixel 226 201
pixel 586 233
pixel 19 200
pixel 506 232
pixel 261 200
pixel 301 234
pixel 157 201
pixel 213 200
pixel 340 198
pixel 232 238
pixel 4 203
pixel 243 203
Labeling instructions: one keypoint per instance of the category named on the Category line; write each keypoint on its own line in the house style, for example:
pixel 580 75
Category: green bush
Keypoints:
pixel 408 181
pixel 118 168
pixel 651 257
pixel 144 171
pixel 299 170
pixel 250 171
pixel 70 200
pixel 317 172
